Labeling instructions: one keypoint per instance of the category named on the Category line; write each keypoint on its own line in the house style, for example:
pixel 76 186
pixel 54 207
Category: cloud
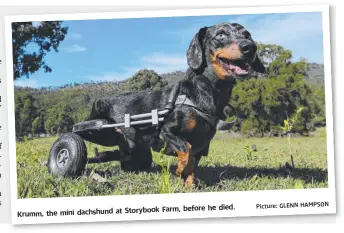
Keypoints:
pixel 164 63
pixel 74 36
pixel 268 28
pixel 74 49
pixel 164 59
pixel 157 61
pixel 285 28
pixel 299 32
pixel 26 83
pixel 112 76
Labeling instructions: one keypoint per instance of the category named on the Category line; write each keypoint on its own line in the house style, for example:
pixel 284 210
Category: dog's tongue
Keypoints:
pixel 238 69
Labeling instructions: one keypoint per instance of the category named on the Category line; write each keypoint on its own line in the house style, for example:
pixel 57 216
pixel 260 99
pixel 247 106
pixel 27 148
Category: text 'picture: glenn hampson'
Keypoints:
pixel 198 102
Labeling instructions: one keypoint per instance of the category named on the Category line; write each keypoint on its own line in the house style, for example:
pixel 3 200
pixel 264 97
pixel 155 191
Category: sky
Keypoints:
pixel 114 49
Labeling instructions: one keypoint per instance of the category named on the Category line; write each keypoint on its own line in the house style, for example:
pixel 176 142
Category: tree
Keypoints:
pixel 18 107
pixel 64 119
pixel 59 119
pixel 270 52
pixel 38 125
pixel 264 103
pixel 27 113
pixel 145 80
pixel 44 35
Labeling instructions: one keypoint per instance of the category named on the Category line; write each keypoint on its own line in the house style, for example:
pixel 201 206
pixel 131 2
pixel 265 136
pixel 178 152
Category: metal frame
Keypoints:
pixel 155 118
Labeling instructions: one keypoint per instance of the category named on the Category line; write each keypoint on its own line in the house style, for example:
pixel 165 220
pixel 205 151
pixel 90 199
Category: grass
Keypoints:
pixel 230 166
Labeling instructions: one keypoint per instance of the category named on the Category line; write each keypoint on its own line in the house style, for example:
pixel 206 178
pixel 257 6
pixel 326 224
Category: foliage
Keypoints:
pixel 218 172
pixel 159 159
pixel 145 80
pixel 263 102
pixel 38 125
pixel 25 112
pixel 248 152
pixel 288 127
pixel 58 109
pixel 41 37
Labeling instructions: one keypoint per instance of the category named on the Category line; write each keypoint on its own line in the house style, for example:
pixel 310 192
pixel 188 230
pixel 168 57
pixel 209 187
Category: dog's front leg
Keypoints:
pixel 189 171
pixel 192 165
pixel 186 163
pixel 186 166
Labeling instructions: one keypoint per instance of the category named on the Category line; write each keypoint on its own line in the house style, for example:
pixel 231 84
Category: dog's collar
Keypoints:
pixel 184 100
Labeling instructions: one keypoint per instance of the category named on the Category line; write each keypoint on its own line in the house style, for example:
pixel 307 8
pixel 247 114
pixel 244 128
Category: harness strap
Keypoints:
pixel 223 125
pixel 184 100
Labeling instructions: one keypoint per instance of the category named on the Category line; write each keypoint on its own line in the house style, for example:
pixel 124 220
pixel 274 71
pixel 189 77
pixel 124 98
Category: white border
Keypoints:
pixel 243 201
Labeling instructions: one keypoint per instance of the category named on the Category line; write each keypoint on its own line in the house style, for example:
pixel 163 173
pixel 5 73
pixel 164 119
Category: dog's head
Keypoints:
pixel 227 49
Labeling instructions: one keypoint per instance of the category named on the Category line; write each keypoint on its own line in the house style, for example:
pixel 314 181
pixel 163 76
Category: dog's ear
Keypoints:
pixel 258 66
pixel 195 54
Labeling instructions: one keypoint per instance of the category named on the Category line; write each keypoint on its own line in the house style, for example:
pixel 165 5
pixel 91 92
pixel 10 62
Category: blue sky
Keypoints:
pixel 110 50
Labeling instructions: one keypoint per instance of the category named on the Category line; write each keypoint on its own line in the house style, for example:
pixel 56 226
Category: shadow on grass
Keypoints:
pixel 211 176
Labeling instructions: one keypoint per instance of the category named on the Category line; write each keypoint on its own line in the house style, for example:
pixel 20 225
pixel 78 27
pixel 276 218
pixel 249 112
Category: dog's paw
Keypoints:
pixel 190 181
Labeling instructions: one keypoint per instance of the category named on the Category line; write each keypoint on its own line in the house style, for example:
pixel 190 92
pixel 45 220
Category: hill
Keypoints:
pixel 314 75
pixel 56 109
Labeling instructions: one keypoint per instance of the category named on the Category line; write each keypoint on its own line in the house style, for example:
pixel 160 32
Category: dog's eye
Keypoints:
pixel 221 35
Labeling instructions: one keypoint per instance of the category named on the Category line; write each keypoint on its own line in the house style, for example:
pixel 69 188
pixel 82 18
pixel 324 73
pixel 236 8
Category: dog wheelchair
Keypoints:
pixel 68 155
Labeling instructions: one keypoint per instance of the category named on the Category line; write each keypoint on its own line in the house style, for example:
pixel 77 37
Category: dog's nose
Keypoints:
pixel 247 47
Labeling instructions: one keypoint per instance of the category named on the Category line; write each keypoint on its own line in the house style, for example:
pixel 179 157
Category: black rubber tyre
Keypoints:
pixel 68 156
pixel 141 160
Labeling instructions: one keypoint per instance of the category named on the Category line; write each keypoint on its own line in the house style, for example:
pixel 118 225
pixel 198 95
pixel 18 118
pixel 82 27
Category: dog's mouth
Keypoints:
pixel 239 67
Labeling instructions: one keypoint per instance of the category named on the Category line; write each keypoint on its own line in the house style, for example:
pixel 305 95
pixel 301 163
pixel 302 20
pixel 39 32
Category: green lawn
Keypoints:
pixel 230 166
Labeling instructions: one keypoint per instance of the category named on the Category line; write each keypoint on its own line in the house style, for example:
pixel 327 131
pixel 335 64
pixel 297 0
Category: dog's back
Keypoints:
pixel 136 102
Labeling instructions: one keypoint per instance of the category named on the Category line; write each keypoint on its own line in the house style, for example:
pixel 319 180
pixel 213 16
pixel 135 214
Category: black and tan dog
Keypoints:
pixel 217 57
